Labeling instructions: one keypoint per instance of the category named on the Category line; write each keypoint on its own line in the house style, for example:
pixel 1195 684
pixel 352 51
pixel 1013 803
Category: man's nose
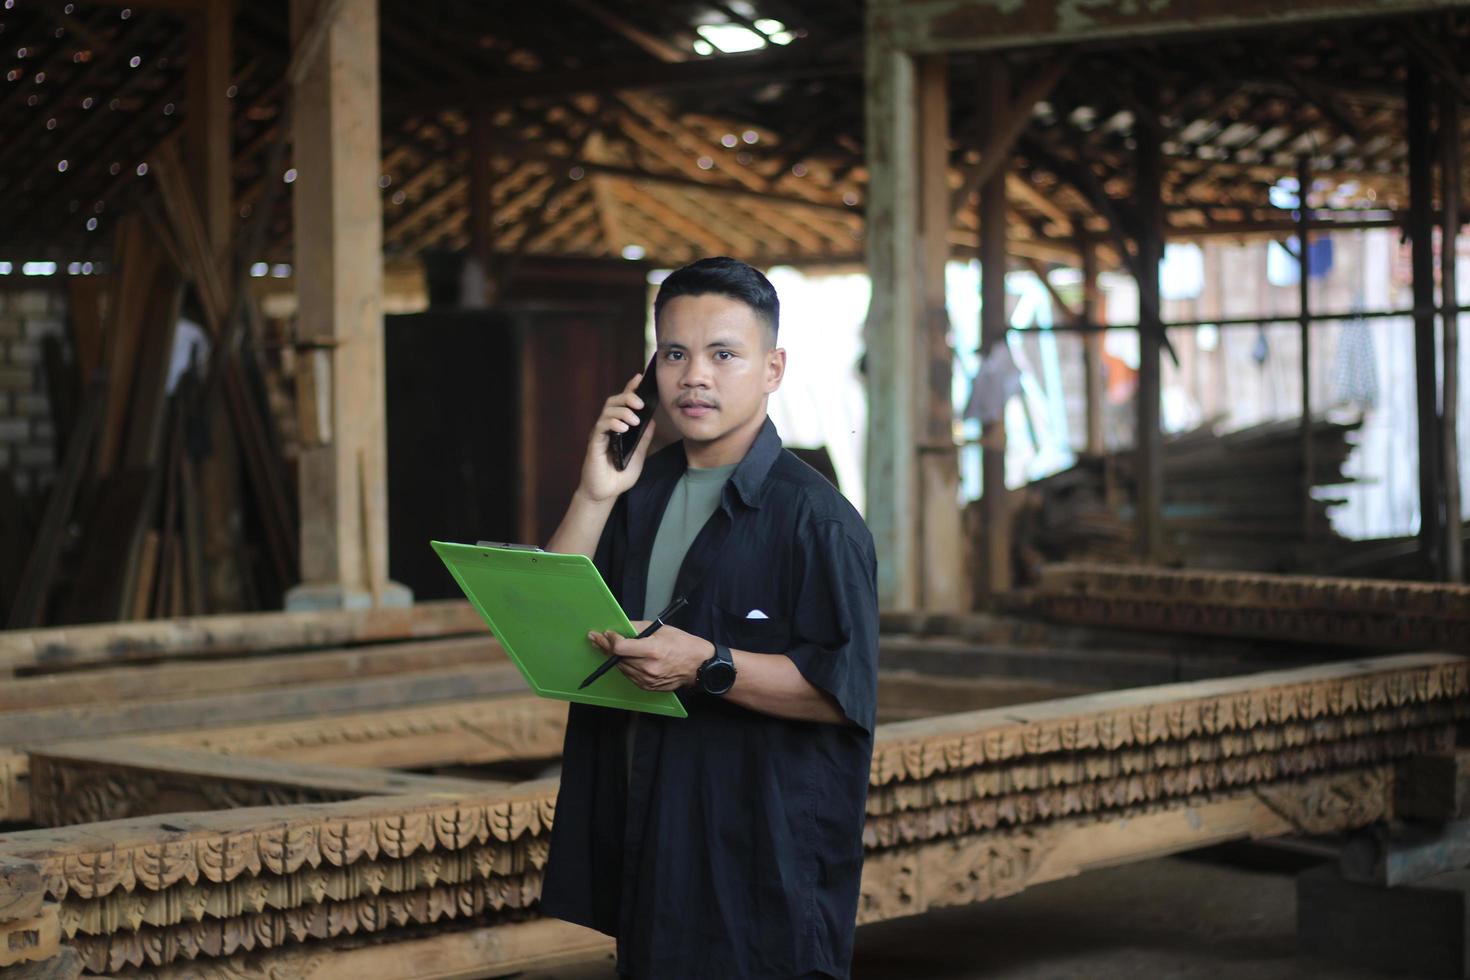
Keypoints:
pixel 696 374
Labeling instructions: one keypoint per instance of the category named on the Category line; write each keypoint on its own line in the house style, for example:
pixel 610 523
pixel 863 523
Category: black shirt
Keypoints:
pixel 734 849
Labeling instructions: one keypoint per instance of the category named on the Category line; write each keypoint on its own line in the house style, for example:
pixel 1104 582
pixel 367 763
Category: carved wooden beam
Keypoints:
pixel 1355 612
pixel 968 806
pixel 89 782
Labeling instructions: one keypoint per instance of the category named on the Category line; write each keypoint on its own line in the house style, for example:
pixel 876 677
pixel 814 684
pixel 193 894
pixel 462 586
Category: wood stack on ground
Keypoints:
pixel 1231 501
pixel 123 531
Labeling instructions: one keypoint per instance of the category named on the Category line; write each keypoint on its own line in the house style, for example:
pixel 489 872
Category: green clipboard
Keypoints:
pixel 541 606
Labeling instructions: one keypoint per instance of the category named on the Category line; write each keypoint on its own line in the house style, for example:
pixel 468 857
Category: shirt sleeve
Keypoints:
pixel 835 624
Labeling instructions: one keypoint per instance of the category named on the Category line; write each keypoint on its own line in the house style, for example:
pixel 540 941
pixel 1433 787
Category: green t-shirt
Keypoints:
pixel 696 497
pixel 694 500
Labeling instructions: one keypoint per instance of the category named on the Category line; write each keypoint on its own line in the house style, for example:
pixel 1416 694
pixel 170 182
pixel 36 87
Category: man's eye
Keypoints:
pixel 672 355
pixel 724 355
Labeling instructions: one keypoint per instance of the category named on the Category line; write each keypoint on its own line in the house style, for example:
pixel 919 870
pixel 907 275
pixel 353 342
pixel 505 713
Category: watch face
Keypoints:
pixel 717 677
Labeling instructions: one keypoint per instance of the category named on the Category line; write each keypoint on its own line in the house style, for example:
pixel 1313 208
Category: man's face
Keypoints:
pixel 715 366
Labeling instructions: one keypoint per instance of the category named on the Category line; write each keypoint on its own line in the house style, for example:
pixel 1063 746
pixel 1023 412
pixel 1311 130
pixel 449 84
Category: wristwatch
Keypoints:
pixel 717 674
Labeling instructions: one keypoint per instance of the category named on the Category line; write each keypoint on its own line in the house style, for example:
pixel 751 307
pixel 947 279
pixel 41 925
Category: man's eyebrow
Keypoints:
pixel 723 343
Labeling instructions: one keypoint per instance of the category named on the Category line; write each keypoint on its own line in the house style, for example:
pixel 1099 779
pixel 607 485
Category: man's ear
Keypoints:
pixel 775 368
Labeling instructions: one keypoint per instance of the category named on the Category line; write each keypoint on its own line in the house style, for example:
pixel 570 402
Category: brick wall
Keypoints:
pixel 27 437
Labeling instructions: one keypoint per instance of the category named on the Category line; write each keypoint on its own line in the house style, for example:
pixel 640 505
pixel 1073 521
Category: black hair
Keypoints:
pixel 724 276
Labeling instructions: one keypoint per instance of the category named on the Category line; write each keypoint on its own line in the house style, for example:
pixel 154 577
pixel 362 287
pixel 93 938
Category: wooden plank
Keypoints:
pixel 32 939
pixel 233 635
pixel 136 266
pixel 51 724
pixel 65 965
pixel 22 891
pixel 88 782
pixel 1003 130
pixel 177 680
pixel 476 732
pixel 501 950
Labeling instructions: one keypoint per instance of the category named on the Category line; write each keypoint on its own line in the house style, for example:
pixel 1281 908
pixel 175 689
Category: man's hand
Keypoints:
pixel 601 480
pixel 666 661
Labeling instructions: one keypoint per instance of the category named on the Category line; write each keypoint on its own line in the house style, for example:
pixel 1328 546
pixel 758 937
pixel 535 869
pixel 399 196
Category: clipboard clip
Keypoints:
pixel 509 546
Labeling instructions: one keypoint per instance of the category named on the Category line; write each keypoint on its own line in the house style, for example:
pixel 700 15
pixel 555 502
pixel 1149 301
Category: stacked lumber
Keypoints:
pixel 122 534
pixel 1231 501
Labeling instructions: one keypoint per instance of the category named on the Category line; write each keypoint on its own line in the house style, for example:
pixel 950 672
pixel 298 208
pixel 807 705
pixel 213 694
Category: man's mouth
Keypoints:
pixel 696 408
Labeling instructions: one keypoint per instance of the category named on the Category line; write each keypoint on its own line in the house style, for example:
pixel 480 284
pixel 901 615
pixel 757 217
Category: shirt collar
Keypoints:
pixel 749 478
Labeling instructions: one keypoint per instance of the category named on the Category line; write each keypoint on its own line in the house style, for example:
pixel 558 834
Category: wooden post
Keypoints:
pixel 1449 175
pixel 1092 342
pixel 339 287
pixel 943 585
pixel 892 229
pixel 1304 182
pixel 1421 221
pixel 207 140
pixel 996 560
pixel 1149 470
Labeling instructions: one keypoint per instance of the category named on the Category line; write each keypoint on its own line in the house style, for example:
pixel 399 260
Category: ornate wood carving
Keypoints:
pixel 962 808
pixel 1357 612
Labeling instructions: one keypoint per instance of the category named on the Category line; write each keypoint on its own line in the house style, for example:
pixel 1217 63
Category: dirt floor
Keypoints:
pixel 1183 918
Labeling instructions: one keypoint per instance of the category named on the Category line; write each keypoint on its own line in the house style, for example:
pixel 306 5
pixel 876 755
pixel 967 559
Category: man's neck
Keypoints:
pixel 726 450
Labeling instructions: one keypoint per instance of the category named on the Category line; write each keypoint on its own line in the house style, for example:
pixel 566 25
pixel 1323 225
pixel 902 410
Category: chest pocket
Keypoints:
pixel 755 635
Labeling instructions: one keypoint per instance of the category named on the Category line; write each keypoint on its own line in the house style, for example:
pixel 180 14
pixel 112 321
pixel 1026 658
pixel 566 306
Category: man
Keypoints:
pixel 727 844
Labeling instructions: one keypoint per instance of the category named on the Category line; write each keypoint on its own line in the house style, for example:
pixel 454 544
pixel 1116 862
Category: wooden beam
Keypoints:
pixel 994 499
pixel 1149 471
pixel 942 579
pixel 338 218
pixel 655 46
pixel 1003 131
pixel 67 647
pixel 1304 333
pixel 1433 533
pixel 482 731
pixel 163 714
pixel 172 679
pixel 760 68
pixel 89 782
pixel 1093 365
pixel 981 25
pixel 1450 176
pixel 892 228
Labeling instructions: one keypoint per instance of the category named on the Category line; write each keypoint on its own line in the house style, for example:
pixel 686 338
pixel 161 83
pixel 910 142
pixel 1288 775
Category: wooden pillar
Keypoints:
pixel 1094 380
pixel 996 559
pixel 210 156
pixel 337 212
pixel 1304 322
pixel 943 585
pixel 1449 175
pixel 1421 224
pixel 1149 469
pixel 891 230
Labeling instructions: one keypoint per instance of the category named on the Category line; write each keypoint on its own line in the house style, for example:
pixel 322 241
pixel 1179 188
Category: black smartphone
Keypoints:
pixel 624 443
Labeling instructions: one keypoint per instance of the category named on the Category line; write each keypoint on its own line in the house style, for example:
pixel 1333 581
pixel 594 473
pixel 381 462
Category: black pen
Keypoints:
pixel 648 630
